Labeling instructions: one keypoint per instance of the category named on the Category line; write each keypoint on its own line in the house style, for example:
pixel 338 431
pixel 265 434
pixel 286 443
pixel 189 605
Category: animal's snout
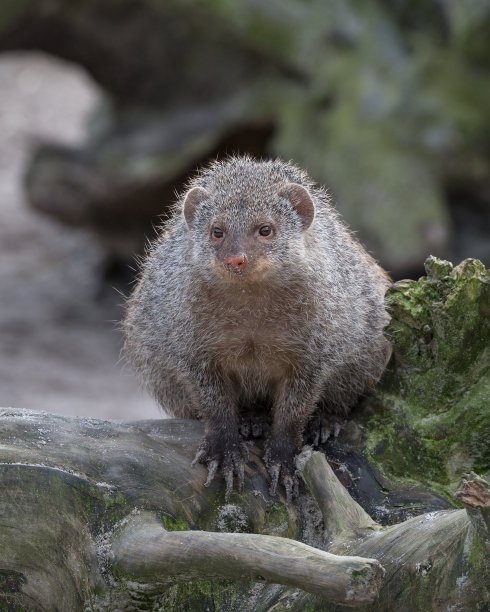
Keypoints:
pixel 237 263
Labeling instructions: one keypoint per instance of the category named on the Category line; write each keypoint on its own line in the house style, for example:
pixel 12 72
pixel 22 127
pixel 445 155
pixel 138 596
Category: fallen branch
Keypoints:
pixel 430 552
pixel 72 494
pixel 342 516
pixel 143 550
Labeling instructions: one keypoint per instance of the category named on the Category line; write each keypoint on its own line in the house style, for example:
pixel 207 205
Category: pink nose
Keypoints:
pixel 237 262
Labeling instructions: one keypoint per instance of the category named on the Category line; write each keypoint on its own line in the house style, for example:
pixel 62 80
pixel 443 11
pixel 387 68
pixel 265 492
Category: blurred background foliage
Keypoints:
pixel 385 102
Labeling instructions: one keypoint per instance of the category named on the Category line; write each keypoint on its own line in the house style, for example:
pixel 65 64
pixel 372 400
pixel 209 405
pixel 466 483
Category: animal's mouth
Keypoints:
pixel 236 271
pixel 253 272
pixel 234 274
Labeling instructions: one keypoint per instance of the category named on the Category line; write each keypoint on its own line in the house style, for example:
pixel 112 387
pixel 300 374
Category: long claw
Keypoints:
pixel 288 482
pixel 212 469
pixel 316 438
pixel 279 459
pixel 240 470
pixel 337 428
pixel 324 427
pixel 201 452
pixel 325 434
pixel 274 471
pixel 228 474
pixel 245 453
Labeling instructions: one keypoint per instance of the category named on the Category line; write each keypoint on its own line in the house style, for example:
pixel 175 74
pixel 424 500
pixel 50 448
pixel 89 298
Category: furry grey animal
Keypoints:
pixel 256 294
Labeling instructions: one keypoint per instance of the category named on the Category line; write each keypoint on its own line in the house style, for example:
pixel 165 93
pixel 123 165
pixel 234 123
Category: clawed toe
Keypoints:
pixel 229 455
pixel 212 469
pixel 233 464
pixel 290 482
pixel 279 460
pixel 288 479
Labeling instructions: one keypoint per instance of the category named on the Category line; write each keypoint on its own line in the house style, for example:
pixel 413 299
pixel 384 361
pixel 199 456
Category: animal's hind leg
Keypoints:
pixel 323 427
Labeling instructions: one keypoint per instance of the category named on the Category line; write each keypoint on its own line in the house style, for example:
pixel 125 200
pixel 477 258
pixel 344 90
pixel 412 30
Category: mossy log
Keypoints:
pixel 100 515
pixel 113 516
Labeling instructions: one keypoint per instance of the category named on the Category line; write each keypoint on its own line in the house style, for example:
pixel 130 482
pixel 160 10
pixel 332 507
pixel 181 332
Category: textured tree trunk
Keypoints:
pixel 104 516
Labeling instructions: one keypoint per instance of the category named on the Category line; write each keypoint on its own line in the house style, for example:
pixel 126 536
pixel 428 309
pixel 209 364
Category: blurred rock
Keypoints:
pixel 376 101
pixel 59 344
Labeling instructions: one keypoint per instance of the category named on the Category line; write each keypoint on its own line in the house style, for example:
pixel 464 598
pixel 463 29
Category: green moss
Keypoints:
pixel 225 596
pixel 477 554
pixel 106 507
pixel 10 604
pixel 437 268
pixel 276 520
pixel 299 601
pixel 174 524
pixel 417 594
pixel 205 595
pixel 394 442
pixel 430 417
pixel 479 571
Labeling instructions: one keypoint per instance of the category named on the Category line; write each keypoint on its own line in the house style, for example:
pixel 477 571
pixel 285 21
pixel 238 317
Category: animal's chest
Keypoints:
pixel 255 350
pixel 250 339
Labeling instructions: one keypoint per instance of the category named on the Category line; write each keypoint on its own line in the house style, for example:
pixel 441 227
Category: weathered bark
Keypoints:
pixel 436 544
pixel 147 552
pixel 112 515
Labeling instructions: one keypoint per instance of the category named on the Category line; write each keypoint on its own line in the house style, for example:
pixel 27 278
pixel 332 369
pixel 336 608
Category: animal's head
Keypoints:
pixel 246 221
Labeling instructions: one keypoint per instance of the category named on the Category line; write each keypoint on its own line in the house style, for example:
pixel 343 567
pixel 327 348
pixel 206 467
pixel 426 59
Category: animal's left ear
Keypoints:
pixel 301 201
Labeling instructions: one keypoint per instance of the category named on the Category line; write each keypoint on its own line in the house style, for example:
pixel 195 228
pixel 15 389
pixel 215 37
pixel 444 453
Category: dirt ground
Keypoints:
pixel 59 348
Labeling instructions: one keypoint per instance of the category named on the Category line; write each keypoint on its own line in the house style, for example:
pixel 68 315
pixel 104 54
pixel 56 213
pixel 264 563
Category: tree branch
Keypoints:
pixel 342 515
pixel 67 482
pixel 144 550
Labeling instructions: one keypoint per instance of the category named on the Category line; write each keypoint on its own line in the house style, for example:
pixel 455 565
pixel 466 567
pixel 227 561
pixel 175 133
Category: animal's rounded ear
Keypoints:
pixel 192 201
pixel 301 201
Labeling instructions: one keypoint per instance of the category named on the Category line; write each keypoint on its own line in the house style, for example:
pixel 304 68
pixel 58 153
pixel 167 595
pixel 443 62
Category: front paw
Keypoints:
pixel 226 451
pixel 279 458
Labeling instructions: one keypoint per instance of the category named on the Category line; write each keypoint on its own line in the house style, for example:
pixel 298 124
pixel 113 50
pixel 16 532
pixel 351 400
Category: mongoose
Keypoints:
pixel 256 293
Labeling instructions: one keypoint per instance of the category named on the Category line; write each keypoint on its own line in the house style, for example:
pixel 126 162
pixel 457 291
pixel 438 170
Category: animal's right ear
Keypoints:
pixel 192 201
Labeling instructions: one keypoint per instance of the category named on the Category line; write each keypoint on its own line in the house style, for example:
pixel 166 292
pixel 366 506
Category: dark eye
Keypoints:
pixel 217 232
pixel 265 230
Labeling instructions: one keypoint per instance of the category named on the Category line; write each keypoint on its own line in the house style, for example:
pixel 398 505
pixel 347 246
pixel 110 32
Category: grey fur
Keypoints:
pixel 300 328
